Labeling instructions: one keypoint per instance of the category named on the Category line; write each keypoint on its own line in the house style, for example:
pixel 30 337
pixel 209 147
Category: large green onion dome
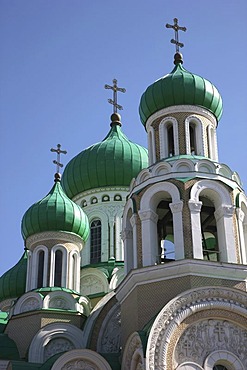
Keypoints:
pixel 113 162
pixel 180 87
pixel 55 212
pixel 13 281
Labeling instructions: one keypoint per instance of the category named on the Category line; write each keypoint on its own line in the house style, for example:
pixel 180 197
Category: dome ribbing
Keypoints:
pixel 113 162
pixel 55 212
pixel 180 87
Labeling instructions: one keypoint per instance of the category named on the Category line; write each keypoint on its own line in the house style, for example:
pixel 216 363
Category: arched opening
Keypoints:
pixel 58 268
pixel 95 241
pixel 166 250
pixel 220 367
pixel 170 135
pixel 41 262
pixel 209 231
pixel 192 130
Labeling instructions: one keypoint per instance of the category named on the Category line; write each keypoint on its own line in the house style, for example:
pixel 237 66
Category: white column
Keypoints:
pixel 133 221
pixel 29 270
pixel 176 209
pixel 119 247
pixel 149 237
pixel 111 223
pixel 127 236
pixel 195 209
pixel 241 229
pixel 224 219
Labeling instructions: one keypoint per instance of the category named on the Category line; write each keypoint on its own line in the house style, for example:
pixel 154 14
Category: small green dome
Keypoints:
pixel 112 162
pixel 180 87
pixel 13 281
pixel 55 212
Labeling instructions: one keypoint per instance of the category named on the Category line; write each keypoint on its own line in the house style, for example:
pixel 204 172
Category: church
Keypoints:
pixel 135 259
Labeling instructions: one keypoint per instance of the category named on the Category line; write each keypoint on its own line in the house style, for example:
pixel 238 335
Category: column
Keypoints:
pixel 176 209
pixel 242 230
pixel 149 237
pixel 195 210
pixel 224 219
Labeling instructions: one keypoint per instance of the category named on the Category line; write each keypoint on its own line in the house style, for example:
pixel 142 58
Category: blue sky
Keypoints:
pixel 56 57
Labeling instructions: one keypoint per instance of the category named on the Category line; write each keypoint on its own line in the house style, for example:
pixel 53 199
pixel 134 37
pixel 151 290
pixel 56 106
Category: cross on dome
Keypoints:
pixel 176 28
pixel 58 151
pixel 113 101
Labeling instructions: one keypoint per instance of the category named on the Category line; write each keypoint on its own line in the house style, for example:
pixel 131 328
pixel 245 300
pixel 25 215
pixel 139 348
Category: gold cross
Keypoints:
pixel 58 151
pixel 115 89
pixel 176 28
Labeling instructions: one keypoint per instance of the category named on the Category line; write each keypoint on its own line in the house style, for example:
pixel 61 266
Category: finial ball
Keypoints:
pixel 57 177
pixel 178 58
pixel 116 119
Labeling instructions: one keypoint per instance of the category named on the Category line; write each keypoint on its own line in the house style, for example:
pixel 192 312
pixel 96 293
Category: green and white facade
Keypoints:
pixel 136 259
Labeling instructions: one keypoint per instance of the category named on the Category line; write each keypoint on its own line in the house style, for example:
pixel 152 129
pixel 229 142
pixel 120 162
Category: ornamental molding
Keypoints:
pixel 181 109
pixel 146 215
pixel 62 236
pixel 195 207
pixel 207 336
pixel 81 359
pixel 100 191
pixel 176 207
pixel 182 307
pixel 58 334
pixel 127 234
pixel 133 357
pixel 224 211
pixel 110 332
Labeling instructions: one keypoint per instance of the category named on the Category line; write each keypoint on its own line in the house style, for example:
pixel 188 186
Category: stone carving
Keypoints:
pixel 182 307
pixel 203 337
pixel 30 304
pixel 134 345
pixel 110 341
pixel 48 235
pixel 91 284
pixel 80 365
pixel 57 345
pixel 59 303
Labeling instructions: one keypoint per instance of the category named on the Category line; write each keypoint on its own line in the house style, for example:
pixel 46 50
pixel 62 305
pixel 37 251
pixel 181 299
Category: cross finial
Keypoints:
pixel 115 89
pixel 176 28
pixel 58 151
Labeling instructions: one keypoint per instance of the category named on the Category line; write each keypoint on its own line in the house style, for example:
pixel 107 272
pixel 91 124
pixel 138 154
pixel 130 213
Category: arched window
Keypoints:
pixel 192 138
pixel 95 241
pixel 170 135
pixel 41 260
pixel 58 268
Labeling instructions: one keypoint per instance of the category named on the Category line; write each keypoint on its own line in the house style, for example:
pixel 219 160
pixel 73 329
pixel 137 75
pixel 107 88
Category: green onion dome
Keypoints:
pixel 113 162
pixel 55 212
pixel 180 87
pixel 13 281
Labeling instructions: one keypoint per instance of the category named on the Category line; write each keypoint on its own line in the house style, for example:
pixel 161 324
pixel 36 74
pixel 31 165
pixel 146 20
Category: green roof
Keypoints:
pixel 113 162
pixel 13 282
pixel 55 212
pixel 180 87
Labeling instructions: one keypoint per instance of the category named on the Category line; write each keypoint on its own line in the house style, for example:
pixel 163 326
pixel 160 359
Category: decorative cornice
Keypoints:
pixel 100 190
pixel 179 109
pixel 180 268
pixel 53 235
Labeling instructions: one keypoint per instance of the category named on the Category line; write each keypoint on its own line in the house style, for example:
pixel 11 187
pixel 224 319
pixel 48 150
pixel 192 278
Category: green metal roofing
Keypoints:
pixel 8 348
pixel 13 281
pixel 112 162
pixel 180 87
pixel 55 212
